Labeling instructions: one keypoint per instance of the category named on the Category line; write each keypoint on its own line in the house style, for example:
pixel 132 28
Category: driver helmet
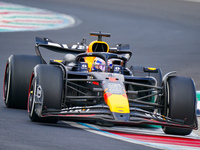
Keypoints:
pixel 98 65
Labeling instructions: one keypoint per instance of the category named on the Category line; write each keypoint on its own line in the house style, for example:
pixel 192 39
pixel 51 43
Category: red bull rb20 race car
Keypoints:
pixel 93 83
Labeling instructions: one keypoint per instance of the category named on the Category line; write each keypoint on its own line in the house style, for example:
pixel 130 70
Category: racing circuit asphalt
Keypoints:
pixel 162 33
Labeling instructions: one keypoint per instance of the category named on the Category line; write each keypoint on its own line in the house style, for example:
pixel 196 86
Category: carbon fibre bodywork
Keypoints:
pixel 71 89
pixel 115 96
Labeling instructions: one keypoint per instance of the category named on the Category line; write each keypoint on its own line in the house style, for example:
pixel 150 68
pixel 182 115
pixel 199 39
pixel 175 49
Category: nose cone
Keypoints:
pixel 117 103
pixel 121 116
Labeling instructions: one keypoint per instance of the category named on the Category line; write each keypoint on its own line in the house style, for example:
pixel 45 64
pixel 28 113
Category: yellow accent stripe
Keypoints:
pixel 58 61
pixel 152 68
pixel 118 103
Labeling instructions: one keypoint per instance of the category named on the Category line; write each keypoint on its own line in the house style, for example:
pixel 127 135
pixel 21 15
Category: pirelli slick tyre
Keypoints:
pixel 181 97
pixel 16 79
pixel 45 92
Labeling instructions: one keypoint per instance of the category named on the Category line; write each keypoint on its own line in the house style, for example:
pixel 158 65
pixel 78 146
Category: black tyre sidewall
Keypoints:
pixel 181 103
pixel 32 115
pixel 183 99
pixel 50 79
pixel 20 67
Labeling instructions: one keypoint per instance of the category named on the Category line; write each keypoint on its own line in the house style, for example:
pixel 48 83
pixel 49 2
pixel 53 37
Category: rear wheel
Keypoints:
pixel 45 92
pixel 16 79
pixel 181 97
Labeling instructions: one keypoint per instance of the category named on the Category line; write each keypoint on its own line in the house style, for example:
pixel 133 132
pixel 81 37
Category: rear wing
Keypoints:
pixel 121 49
pixel 56 47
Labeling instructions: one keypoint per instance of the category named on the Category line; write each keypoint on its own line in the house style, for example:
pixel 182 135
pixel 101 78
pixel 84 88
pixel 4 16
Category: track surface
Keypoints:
pixel 162 33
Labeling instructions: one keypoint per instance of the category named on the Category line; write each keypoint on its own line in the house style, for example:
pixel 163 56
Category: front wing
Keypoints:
pixel 101 113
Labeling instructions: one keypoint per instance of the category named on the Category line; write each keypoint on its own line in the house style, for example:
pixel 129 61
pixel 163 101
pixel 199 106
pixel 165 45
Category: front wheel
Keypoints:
pixel 45 92
pixel 181 99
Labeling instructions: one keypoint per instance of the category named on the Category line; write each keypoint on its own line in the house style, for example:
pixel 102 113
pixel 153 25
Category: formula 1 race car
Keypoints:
pixel 93 83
